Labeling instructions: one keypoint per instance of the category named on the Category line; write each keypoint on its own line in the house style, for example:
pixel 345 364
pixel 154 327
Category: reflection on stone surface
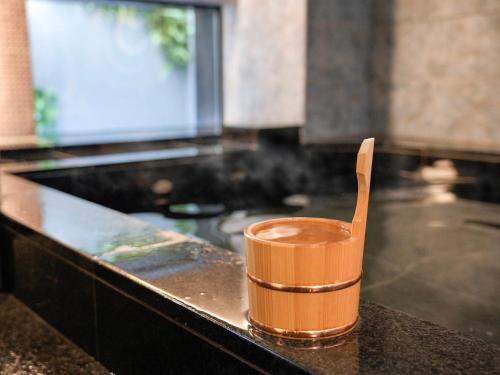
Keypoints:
pixel 123 247
pixel 217 286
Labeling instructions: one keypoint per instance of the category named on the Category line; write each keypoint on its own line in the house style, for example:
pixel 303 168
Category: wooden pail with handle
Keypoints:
pixel 304 274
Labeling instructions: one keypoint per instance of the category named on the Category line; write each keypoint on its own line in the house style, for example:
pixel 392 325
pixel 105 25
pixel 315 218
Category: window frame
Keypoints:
pixel 207 80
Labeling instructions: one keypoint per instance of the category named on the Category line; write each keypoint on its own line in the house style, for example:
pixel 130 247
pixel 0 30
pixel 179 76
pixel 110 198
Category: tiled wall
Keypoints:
pixel 16 95
pixel 338 51
pixel 445 72
pixel 420 71
pixel 264 63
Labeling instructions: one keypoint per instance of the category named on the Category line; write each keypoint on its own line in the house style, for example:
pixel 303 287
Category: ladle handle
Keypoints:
pixel 363 172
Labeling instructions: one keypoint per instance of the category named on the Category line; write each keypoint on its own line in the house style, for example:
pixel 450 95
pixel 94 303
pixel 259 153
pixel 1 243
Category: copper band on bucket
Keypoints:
pixel 304 288
pixel 305 334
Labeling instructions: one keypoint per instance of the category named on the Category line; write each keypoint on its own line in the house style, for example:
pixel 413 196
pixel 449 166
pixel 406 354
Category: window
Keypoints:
pixel 119 71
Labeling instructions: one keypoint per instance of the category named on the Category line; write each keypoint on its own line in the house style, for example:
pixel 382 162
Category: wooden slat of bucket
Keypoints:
pixel 303 265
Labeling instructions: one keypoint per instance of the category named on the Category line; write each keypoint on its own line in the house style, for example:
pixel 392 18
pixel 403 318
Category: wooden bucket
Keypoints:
pixel 304 274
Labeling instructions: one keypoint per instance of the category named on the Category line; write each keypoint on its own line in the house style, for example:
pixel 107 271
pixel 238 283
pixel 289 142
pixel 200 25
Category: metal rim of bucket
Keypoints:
pixel 305 334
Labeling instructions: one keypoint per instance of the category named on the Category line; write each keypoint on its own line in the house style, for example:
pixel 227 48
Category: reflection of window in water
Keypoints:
pixel 106 71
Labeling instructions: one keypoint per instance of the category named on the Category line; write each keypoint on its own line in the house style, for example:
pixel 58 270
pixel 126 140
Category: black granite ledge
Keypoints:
pixel 28 346
pixel 136 324
pixel 394 342
pixel 236 138
pixel 95 308
pixel 174 304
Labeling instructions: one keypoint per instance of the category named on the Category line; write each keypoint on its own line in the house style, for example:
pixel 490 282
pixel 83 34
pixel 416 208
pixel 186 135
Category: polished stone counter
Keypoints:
pixel 29 346
pixel 145 300
pixel 114 274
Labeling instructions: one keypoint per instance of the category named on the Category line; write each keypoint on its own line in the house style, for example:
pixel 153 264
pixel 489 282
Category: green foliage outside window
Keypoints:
pixel 167 26
pixel 45 101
